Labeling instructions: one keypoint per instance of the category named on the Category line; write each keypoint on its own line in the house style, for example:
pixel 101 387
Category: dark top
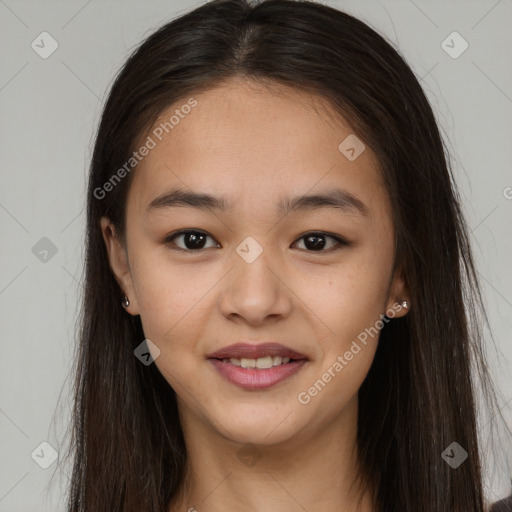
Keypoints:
pixel 502 505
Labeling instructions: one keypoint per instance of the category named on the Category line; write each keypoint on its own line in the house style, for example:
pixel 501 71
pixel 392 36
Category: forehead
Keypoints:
pixel 244 140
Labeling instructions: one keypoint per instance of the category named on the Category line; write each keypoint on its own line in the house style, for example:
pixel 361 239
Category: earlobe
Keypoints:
pixel 118 261
pixel 399 297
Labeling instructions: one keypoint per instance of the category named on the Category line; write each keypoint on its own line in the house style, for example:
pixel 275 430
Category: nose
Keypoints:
pixel 256 292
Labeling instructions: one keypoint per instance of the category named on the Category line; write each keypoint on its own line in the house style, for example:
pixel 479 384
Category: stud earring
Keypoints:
pixel 125 302
pixel 404 304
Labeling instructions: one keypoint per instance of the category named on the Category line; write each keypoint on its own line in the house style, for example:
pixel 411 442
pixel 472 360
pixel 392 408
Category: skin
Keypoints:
pixel 254 145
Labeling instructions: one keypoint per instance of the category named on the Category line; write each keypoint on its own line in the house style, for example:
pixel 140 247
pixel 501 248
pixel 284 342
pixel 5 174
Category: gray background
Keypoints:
pixel 50 110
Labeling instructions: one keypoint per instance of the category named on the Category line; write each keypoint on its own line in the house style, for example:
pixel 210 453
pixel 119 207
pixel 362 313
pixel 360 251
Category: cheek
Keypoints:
pixel 341 379
pixel 172 314
pixel 352 310
pixel 175 307
pixel 353 295
pixel 166 293
pixel 351 306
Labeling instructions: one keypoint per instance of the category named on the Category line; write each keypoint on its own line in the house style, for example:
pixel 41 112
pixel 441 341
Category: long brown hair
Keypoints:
pixel 419 395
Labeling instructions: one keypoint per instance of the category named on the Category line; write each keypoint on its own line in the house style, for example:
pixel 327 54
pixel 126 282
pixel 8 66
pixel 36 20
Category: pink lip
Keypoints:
pixel 249 351
pixel 252 378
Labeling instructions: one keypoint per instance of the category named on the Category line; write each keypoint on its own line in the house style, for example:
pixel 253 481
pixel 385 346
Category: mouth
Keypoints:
pixel 257 367
pixel 260 351
pixel 261 363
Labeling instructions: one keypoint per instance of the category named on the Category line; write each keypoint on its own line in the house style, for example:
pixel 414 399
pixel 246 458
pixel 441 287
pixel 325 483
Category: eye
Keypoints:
pixel 193 240
pixel 316 241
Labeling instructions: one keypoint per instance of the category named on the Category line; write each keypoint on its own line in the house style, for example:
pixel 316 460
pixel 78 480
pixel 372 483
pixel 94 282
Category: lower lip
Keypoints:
pixel 251 378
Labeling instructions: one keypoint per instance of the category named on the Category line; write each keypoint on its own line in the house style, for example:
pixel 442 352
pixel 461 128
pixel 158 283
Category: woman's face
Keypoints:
pixel 253 270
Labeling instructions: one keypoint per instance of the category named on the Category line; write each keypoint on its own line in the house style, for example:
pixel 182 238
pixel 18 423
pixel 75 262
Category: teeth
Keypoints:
pixel 264 362
pixel 247 363
pixel 261 363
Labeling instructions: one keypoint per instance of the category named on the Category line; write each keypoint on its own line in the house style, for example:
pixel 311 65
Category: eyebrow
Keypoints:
pixel 333 198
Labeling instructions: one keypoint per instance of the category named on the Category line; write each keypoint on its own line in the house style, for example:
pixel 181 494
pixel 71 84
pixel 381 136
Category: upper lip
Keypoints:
pixel 248 351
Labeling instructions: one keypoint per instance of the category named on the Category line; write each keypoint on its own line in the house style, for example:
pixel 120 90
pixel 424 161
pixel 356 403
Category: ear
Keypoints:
pixel 118 260
pixel 398 292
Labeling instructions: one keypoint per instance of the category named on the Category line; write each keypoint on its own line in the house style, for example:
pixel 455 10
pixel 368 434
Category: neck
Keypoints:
pixel 315 473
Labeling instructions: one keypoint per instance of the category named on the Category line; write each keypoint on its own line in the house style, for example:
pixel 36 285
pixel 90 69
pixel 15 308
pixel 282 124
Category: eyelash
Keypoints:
pixel 340 241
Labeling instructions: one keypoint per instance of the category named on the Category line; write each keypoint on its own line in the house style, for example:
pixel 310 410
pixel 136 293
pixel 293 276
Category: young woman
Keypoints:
pixel 280 310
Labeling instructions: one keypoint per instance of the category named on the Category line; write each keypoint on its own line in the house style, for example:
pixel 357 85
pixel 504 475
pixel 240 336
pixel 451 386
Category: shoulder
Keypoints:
pixel 504 505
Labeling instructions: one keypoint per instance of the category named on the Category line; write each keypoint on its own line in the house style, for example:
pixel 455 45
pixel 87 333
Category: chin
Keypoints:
pixel 253 425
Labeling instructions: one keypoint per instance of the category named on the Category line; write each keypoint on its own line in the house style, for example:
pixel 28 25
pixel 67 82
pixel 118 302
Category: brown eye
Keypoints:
pixel 193 240
pixel 316 241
